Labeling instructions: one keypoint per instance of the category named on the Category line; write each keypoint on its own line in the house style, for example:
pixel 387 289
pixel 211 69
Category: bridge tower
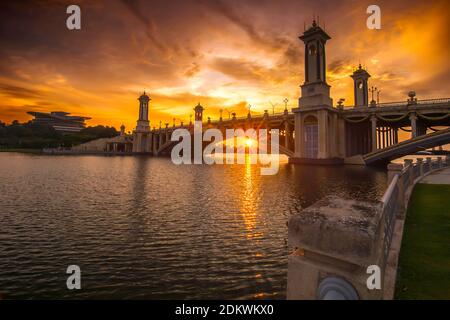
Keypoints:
pixel 360 86
pixel 198 112
pixel 142 135
pixel 318 129
pixel 315 90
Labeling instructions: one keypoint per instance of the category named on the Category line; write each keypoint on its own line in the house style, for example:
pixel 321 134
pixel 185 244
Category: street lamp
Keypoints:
pixel 285 103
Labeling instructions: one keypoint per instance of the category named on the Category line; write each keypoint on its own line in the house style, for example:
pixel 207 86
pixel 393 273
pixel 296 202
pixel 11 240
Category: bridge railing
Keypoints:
pixel 402 179
pixel 408 103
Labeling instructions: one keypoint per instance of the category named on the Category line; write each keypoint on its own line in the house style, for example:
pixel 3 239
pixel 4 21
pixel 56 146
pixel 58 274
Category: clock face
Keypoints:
pixel 360 85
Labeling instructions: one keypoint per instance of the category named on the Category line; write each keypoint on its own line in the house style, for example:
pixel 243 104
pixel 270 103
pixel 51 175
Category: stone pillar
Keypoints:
pixel 167 133
pixel 393 169
pixel 429 164
pixel 420 164
pixel 352 241
pixel 342 139
pixel 413 119
pixel 324 149
pixel 439 159
pixel 138 142
pixel 299 135
pixel 286 134
pixel 155 142
pixel 334 136
pixel 391 137
pixel 373 122
pixel 409 165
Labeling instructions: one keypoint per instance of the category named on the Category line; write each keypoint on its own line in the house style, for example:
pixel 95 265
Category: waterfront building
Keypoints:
pixel 122 143
pixel 60 121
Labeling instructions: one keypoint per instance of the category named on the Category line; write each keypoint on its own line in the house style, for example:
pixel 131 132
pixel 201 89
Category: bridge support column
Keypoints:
pixel 299 135
pixel 155 143
pixel 150 141
pixel 167 133
pixel 286 134
pixel 342 139
pixel 324 146
pixel 413 119
pixel 160 138
pixel 373 121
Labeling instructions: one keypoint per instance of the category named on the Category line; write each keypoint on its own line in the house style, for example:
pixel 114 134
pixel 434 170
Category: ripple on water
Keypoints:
pixel 143 228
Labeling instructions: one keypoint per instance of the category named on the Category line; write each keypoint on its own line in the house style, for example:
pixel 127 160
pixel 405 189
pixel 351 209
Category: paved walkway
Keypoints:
pixel 439 177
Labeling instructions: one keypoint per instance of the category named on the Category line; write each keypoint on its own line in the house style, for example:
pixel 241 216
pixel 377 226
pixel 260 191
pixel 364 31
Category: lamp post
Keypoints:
pixel 286 100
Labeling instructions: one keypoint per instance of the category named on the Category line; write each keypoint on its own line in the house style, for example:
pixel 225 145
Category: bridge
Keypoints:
pixel 371 133
pixel 318 131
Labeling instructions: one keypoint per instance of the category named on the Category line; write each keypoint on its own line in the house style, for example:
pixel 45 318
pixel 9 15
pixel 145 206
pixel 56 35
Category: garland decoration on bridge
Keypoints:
pixel 392 120
pixel 433 129
pixel 356 121
pixel 433 118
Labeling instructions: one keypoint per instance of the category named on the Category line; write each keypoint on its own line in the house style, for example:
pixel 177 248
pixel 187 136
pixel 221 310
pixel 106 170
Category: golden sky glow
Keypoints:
pixel 223 54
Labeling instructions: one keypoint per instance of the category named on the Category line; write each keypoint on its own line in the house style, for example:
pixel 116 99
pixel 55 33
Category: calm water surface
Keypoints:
pixel 143 228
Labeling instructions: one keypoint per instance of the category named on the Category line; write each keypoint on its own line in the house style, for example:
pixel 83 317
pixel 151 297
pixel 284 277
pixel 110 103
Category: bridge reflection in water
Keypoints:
pixel 142 227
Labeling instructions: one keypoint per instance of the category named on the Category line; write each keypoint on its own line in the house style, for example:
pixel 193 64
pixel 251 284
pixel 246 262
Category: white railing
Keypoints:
pixel 402 179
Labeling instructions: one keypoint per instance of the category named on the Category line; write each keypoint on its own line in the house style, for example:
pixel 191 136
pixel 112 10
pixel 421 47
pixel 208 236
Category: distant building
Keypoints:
pixel 60 121
pixel 122 143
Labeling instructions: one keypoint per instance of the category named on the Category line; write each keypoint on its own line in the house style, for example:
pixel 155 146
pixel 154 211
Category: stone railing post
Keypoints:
pixel 420 164
pixel 353 241
pixel 428 164
pixel 447 160
pixel 439 160
pixel 409 166
pixel 393 169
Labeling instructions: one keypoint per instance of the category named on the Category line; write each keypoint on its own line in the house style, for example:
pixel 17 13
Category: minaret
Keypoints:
pixel 143 123
pixel 360 86
pixel 315 90
pixel 199 112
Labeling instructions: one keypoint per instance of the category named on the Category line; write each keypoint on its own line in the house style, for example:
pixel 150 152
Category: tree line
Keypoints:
pixel 31 135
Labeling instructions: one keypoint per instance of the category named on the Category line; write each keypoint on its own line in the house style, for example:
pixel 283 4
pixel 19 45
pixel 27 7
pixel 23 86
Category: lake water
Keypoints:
pixel 143 228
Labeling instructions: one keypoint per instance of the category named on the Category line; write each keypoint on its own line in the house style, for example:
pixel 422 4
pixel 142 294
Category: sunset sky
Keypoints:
pixel 224 54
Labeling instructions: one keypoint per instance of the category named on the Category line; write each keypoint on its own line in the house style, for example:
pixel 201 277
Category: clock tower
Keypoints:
pixel 315 90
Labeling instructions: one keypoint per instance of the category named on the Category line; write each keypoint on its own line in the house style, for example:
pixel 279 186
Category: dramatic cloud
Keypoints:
pixel 225 54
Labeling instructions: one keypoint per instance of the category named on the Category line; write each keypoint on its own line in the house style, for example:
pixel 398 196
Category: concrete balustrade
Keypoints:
pixel 335 240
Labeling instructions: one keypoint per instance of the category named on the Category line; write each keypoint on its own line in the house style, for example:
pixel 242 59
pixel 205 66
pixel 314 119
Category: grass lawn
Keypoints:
pixel 424 263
